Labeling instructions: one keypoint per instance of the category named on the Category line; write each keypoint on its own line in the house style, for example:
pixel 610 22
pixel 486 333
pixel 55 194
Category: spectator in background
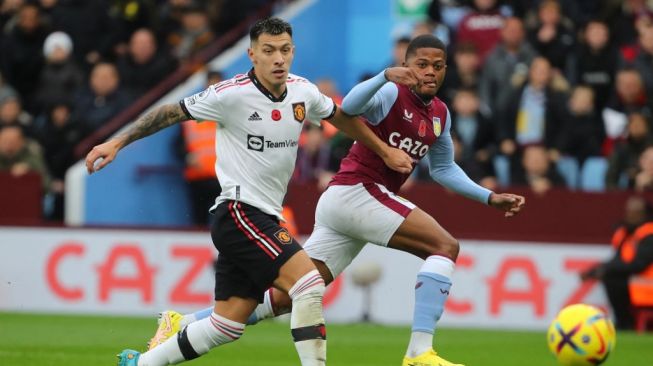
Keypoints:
pixel 336 143
pixel 12 113
pixel 327 87
pixel 59 136
pixel 197 142
pixel 169 17
pixel 552 36
pixel 594 62
pixel 535 111
pixel 463 73
pixel 481 27
pixel 536 171
pixel 626 18
pixel 473 137
pixel 433 28
pixel 633 256
pixel 643 58
pixel 399 51
pixel 88 24
pixel 6 90
pixel 130 16
pixel 19 156
pixel 312 158
pixel 629 97
pixel 226 15
pixel 144 65
pixel 61 77
pixel 644 178
pixel 8 8
pixel 102 100
pixel 509 60
pixel 623 162
pixel 582 130
pixel 21 57
pixel 195 32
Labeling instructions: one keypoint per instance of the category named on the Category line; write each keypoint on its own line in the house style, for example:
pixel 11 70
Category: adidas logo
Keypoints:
pixel 255 117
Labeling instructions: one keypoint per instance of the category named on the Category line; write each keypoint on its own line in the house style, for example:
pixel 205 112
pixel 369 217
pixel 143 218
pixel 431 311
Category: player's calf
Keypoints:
pixel 307 321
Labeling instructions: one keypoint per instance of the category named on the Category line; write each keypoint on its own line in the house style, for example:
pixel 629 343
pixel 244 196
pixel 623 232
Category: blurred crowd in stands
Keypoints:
pixel 543 93
pixel 68 66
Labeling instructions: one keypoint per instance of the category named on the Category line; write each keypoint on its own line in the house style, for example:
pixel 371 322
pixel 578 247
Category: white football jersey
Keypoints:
pixel 256 142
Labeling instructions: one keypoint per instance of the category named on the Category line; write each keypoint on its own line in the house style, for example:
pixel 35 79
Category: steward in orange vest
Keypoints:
pixel 199 156
pixel 628 276
pixel 199 141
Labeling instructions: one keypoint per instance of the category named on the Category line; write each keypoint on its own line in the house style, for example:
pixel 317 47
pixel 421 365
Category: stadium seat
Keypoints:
pixel 592 175
pixel 502 170
pixel 568 167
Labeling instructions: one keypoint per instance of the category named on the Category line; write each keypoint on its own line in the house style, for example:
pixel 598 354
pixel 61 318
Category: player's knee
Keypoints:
pixel 453 248
pixel 448 247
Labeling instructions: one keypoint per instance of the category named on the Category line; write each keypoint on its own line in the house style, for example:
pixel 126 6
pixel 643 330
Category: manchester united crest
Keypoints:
pixel 299 111
pixel 437 126
pixel 283 236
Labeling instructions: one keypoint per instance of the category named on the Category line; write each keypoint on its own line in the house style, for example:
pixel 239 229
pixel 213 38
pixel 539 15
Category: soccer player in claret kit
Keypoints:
pixel 360 205
pixel 260 116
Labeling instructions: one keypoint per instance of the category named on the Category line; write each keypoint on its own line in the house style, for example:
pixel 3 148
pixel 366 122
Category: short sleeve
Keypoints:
pixel 205 105
pixel 319 106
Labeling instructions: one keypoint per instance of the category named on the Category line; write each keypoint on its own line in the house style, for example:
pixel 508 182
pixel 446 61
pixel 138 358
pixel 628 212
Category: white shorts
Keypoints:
pixel 348 217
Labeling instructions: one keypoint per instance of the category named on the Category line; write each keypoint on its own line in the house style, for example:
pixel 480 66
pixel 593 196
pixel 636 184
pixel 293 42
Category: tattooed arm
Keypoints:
pixel 151 122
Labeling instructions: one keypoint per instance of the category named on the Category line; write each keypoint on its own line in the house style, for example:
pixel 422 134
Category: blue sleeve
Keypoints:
pixel 446 172
pixel 372 99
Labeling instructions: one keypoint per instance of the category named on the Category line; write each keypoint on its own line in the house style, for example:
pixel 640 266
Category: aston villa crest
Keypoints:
pixel 437 127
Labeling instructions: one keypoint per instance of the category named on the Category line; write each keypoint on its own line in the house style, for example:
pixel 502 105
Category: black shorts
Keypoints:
pixel 252 248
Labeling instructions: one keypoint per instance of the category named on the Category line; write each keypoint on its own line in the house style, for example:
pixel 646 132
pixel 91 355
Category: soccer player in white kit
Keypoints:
pixel 260 116
pixel 361 205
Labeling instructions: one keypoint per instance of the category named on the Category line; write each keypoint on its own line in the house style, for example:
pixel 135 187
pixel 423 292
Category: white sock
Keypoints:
pixel 265 310
pixel 196 339
pixel 420 342
pixel 167 353
pixel 307 321
pixel 187 319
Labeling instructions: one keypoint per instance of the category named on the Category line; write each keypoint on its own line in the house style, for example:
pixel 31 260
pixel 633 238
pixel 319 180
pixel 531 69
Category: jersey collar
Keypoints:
pixel 264 90
pixel 419 100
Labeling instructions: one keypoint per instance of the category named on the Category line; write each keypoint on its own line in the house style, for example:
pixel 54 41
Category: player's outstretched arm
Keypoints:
pixel 395 159
pixel 510 203
pixel 153 121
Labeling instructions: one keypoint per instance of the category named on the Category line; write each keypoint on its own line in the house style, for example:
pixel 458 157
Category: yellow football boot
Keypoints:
pixel 428 358
pixel 169 324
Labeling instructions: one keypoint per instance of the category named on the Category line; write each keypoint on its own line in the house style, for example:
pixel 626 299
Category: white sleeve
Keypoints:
pixel 319 106
pixel 206 105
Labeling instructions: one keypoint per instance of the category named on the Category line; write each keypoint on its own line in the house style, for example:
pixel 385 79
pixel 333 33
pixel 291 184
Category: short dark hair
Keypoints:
pixel 425 41
pixel 274 26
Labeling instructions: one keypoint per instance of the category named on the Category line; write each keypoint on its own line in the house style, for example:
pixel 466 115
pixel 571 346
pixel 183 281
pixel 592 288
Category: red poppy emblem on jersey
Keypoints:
pixel 276 114
pixel 422 128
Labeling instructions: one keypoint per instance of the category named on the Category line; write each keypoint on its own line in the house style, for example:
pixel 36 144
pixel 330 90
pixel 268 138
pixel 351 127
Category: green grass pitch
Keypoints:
pixel 47 340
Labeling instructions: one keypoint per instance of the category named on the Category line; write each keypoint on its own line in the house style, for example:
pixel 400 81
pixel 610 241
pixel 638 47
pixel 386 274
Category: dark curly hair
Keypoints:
pixel 273 26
